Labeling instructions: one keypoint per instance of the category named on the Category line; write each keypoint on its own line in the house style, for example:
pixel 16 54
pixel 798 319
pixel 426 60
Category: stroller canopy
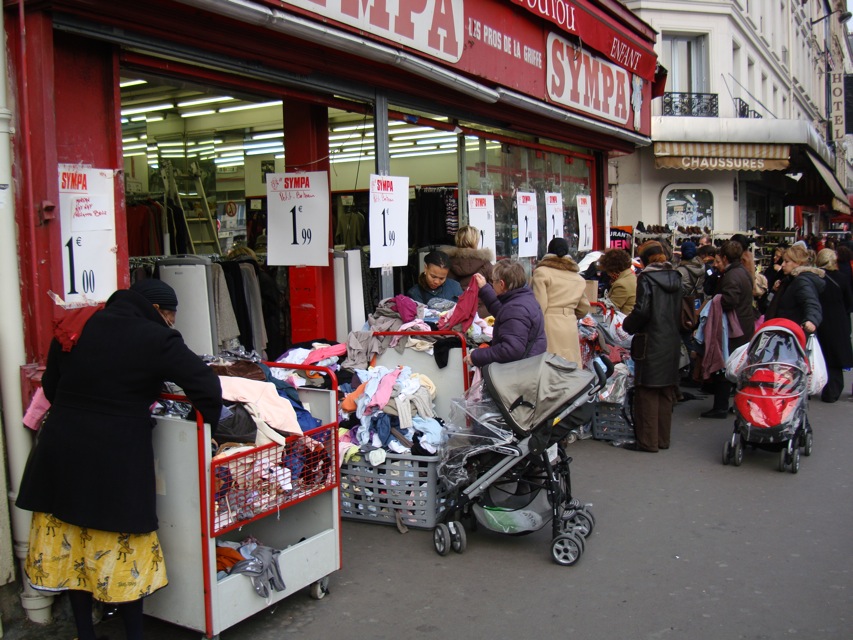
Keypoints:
pixel 533 391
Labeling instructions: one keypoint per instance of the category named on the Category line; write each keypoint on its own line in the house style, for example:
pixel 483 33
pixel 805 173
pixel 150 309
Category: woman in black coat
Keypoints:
pixel 656 348
pixel 797 295
pixel 90 478
pixel 834 332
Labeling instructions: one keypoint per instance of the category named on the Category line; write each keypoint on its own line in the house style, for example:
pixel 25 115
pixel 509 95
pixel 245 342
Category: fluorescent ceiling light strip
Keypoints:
pixel 260 152
pixel 436 140
pixel 231 154
pixel 262 145
pixel 132 155
pixel 175 143
pixel 231 164
pixel 257 105
pixel 392 145
pixel 134 147
pixel 344 136
pixel 423 136
pixel 412 130
pixel 155 119
pixel 125 120
pixel 437 152
pixel 130 139
pixel 267 136
pixel 131 83
pixel 209 100
pixel 138 119
pixel 280 156
pixel 353 127
pixel 195 114
pixel 337 160
pixel 351 154
pixel 231 147
pixel 160 106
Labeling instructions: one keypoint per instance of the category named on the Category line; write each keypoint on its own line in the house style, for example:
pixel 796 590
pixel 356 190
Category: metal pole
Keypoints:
pixel 383 167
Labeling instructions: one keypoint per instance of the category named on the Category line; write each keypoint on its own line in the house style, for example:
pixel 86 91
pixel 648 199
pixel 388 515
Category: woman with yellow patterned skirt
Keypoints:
pixel 90 478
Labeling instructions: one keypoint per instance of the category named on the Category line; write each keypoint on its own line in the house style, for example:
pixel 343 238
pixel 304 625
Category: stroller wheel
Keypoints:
pixel 566 549
pixel 795 460
pixel 783 459
pixel 737 454
pixel 727 451
pixel 458 539
pixel 808 444
pixel 580 523
pixel 441 539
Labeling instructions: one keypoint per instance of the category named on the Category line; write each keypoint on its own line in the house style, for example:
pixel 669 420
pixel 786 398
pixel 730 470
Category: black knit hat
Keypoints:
pixel 157 292
pixel 558 246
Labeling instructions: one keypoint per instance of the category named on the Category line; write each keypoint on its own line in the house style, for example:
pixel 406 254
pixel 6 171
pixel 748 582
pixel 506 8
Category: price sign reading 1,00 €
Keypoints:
pixel 298 219
pixel 389 221
pixel 87 222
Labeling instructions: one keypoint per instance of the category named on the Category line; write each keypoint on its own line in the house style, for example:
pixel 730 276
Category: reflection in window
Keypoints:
pixel 690 208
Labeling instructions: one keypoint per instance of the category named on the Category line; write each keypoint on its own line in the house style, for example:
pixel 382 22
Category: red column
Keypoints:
pixel 312 289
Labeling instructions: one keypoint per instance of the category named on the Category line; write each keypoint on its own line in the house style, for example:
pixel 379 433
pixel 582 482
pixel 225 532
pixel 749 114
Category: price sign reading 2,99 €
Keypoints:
pixel 389 221
pixel 298 219
pixel 87 224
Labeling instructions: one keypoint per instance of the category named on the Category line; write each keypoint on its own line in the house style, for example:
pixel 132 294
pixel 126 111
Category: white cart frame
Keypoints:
pixel 306 532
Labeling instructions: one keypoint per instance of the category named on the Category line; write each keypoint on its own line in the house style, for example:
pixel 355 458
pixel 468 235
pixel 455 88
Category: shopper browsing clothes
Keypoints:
pixel 655 349
pixel 467 258
pixel 433 282
pixel 616 263
pixel 735 301
pixel 519 330
pixel 90 478
pixel 561 292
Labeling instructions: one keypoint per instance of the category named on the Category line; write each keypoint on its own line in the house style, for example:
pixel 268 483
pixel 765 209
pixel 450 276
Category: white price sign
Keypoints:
pixel 389 221
pixel 87 227
pixel 528 227
pixel 554 215
pixel 584 223
pixel 298 219
pixel 481 214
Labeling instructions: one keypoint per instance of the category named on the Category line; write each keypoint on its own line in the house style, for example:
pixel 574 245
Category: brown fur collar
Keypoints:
pixel 464 252
pixel 807 269
pixel 563 264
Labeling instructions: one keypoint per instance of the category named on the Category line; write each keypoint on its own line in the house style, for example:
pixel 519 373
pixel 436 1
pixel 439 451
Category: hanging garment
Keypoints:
pixel 227 330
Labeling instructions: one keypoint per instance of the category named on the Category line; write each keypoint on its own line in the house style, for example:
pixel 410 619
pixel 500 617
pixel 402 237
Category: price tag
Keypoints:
pixel 554 216
pixel 298 219
pixel 528 226
pixel 481 214
pixel 389 221
pixel 584 223
pixel 87 227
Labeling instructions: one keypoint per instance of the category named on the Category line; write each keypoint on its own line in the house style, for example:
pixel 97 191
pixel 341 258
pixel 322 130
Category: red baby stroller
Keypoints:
pixel 771 398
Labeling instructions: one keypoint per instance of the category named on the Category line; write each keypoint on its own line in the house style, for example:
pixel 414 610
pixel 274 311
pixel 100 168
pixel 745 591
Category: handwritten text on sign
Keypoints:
pixel 298 219
pixel 584 223
pixel 481 214
pixel 87 224
pixel 389 221
pixel 528 225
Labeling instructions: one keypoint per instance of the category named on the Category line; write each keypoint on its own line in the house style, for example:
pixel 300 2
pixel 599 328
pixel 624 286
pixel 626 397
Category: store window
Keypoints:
pixel 689 206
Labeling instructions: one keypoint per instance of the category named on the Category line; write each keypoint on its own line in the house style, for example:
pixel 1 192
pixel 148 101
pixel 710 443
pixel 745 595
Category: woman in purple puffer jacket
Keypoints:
pixel 519 330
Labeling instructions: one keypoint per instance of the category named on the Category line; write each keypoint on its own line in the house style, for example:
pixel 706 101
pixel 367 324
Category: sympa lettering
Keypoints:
pixel 579 80
pixel 297 182
pixel 431 26
pixel 71 180
pixel 383 185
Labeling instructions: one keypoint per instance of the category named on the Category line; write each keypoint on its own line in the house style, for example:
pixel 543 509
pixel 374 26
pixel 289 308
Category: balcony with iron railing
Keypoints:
pixel 703 105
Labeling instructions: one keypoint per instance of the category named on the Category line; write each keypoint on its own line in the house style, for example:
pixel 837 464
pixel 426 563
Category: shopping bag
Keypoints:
pixel 736 362
pixel 817 365
pixel 613 320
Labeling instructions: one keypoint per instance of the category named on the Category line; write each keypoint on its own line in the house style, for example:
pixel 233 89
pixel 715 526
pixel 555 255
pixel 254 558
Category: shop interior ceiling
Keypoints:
pixel 183 122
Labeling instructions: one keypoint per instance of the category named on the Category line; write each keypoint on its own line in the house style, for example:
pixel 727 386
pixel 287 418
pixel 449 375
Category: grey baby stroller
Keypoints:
pixel 502 463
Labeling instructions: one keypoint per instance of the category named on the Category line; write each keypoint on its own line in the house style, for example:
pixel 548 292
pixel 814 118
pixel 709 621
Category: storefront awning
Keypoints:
pixel 705 156
pixel 840 202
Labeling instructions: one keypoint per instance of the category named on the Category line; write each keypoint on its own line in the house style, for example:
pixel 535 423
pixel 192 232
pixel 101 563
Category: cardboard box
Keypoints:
pixel 592 290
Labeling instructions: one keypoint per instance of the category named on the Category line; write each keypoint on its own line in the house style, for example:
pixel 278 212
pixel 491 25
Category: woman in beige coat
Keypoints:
pixel 561 292
pixel 616 263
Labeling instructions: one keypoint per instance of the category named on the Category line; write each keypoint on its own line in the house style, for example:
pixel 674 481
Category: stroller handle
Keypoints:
pixel 603 368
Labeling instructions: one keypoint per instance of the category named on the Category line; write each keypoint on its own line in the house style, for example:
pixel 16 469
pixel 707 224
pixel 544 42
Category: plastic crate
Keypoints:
pixel 608 423
pixel 403 484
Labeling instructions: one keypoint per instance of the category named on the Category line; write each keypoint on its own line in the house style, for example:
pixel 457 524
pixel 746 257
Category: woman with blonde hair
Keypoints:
pixel 467 258
pixel 561 292
pixel 797 295
pixel 834 332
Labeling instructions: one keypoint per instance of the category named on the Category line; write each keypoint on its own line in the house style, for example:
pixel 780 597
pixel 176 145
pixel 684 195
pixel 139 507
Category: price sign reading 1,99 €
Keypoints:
pixel 298 219
pixel 87 224
pixel 389 221
pixel 528 225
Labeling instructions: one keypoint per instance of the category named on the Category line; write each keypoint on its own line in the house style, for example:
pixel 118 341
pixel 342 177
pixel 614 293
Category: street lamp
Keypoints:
pixel 844 17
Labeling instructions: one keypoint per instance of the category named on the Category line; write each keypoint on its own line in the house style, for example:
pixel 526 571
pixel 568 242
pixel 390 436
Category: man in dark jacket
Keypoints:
pixel 735 290
pixel 656 348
